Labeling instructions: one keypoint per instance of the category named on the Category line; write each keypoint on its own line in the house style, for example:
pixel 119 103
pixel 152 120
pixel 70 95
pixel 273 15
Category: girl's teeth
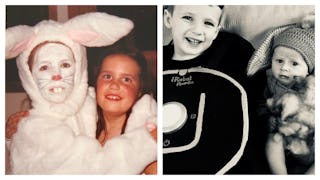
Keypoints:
pixel 113 97
pixel 57 90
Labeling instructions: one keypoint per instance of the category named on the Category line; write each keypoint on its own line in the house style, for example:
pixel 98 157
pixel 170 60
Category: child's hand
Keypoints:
pixel 152 128
pixel 13 121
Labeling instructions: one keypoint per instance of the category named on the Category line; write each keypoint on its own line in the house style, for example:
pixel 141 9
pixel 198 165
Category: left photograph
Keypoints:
pixel 81 90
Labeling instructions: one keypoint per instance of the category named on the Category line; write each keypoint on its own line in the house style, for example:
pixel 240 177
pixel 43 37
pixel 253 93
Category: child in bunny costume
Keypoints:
pixel 58 137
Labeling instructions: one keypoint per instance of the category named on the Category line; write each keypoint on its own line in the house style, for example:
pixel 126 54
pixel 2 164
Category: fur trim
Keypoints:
pixel 104 30
pixel 295 114
pixel 145 107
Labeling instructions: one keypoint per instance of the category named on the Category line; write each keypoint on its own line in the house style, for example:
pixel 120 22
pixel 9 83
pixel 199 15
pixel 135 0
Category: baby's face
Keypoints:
pixel 53 71
pixel 287 65
pixel 193 29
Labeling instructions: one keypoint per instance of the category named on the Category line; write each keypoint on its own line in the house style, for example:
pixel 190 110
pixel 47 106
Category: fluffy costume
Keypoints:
pixel 293 116
pixel 59 138
pixel 145 107
pixel 292 108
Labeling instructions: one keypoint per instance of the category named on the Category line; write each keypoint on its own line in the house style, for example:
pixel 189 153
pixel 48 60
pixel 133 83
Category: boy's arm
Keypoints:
pixel 275 154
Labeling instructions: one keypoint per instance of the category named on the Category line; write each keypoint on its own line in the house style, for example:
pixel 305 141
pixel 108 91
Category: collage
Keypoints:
pixel 159 89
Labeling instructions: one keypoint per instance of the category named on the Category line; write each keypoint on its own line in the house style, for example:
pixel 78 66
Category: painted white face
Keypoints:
pixel 287 65
pixel 53 71
pixel 193 29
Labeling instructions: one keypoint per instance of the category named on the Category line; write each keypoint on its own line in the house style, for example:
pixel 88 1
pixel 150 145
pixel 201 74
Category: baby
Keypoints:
pixel 290 99
pixel 58 137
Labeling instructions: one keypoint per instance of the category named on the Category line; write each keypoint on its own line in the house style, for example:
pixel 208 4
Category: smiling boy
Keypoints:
pixel 204 81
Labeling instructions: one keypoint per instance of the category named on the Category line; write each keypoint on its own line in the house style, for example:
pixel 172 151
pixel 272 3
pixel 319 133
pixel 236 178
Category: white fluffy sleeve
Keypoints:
pixel 126 154
pixel 52 148
pixel 145 109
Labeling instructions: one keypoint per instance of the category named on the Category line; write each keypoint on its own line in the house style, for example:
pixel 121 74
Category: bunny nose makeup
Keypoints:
pixel 56 77
pixel 53 71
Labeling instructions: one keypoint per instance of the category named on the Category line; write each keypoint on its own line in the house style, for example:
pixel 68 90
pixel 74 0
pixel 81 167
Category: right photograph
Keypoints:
pixel 238 89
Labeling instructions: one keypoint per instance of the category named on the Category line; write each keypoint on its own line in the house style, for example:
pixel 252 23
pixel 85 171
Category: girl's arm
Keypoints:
pixel 12 123
pixel 151 168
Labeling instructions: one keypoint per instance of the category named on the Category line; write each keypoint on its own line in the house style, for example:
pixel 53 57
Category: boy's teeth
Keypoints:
pixel 193 41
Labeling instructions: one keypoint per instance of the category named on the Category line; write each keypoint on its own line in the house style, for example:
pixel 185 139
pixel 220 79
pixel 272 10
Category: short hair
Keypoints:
pixel 170 8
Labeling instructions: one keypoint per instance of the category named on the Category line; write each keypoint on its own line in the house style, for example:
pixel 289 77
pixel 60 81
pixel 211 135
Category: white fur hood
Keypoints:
pixel 90 30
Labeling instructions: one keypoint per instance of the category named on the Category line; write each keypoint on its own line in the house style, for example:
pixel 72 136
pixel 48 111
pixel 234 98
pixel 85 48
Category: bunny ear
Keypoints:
pixel 260 58
pixel 97 29
pixel 17 40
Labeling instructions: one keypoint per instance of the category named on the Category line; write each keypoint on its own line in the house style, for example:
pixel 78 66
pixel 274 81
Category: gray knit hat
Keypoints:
pixel 301 40
pixel 291 36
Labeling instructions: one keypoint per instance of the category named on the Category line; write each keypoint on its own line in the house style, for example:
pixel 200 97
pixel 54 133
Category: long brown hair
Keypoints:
pixel 144 77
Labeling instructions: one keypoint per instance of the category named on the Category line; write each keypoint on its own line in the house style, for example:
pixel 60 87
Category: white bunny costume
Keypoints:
pixel 59 138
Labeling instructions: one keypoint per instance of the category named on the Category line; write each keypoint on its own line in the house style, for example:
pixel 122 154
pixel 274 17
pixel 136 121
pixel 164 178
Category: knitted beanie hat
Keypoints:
pixel 300 40
pixel 291 36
